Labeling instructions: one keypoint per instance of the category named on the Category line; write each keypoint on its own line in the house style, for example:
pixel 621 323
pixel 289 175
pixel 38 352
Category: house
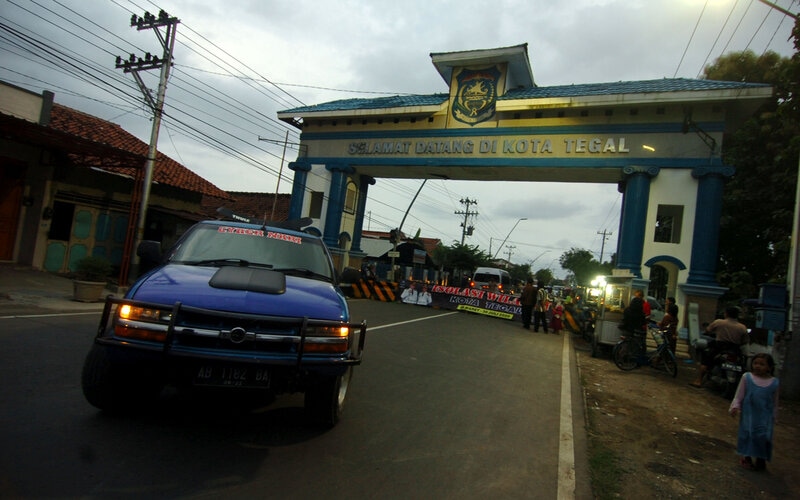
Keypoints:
pixel 71 185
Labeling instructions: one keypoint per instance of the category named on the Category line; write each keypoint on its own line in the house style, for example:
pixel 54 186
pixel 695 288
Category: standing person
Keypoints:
pixel 557 319
pixel 728 334
pixel 528 300
pixel 540 309
pixel 634 320
pixel 756 401
pixel 670 323
pixel 645 304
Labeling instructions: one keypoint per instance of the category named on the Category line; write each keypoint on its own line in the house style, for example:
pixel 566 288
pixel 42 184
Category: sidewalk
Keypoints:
pixel 24 291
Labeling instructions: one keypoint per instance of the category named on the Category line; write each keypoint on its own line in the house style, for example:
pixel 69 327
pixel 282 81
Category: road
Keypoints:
pixel 445 405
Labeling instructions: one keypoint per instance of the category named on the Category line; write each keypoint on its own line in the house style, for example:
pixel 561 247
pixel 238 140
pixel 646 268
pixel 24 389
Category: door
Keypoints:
pixel 11 188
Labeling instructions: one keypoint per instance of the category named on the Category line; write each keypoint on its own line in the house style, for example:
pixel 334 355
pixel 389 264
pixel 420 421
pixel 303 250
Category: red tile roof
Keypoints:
pixel 255 205
pixel 167 171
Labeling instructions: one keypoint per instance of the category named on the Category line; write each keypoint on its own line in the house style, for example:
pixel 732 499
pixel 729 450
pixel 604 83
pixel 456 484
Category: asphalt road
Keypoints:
pixel 445 405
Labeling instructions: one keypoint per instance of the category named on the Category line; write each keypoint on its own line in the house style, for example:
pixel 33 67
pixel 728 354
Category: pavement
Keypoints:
pixel 25 291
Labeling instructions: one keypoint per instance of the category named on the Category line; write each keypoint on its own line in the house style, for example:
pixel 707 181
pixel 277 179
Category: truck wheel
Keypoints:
pixel 106 387
pixel 324 400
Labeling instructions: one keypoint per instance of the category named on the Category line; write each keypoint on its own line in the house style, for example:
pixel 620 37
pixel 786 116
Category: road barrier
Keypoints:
pixel 371 289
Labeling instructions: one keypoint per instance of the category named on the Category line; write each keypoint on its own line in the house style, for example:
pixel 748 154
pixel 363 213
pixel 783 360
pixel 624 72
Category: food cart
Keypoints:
pixel 615 296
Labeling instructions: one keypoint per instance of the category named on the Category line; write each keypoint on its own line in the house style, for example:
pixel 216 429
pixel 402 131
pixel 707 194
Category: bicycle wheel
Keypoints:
pixel 625 355
pixel 670 363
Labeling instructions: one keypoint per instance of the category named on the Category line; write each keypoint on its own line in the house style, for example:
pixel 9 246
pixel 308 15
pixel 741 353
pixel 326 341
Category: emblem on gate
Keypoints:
pixel 476 95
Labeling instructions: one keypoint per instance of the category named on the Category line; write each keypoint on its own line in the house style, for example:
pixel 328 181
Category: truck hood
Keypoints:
pixel 190 286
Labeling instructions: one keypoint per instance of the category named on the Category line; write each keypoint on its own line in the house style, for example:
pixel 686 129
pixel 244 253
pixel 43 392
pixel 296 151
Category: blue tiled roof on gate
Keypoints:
pixel 636 87
pixel 575 90
pixel 395 101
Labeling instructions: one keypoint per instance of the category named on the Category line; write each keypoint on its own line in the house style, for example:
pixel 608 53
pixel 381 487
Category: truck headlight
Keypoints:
pixel 142 323
pixel 327 339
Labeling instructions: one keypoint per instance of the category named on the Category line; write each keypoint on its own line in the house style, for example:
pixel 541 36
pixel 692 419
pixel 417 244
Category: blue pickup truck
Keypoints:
pixel 232 306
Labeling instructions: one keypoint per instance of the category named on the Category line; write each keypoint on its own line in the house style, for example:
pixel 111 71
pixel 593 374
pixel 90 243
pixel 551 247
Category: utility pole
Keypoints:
pixel 605 234
pixel 510 251
pixel 134 65
pixel 285 143
pixel 466 230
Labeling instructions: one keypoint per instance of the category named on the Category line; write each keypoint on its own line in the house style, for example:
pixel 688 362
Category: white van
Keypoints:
pixel 492 279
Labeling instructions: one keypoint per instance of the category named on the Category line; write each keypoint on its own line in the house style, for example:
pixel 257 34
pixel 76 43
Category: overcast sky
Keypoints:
pixel 237 63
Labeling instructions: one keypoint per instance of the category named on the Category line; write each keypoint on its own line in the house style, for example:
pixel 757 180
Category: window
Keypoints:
pixel 61 223
pixel 315 210
pixel 350 198
pixel 668 224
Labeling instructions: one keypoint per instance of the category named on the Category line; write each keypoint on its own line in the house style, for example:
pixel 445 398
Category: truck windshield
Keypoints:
pixel 218 245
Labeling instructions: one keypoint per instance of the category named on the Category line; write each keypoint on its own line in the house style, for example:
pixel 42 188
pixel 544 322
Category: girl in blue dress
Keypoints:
pixel 756 400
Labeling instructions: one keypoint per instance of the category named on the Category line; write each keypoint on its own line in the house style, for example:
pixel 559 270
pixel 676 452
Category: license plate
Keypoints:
pixel 231 376
pixel 731 366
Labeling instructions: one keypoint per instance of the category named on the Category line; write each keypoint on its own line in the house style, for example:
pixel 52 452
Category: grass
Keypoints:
pixel 604 468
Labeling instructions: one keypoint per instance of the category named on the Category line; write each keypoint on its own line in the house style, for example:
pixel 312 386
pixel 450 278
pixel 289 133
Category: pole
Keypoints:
pixel 605 234
pixel 400 229
pixel 510 250
pixel 466 214
pixel 509 234
pixel 280 173
pixel 133 66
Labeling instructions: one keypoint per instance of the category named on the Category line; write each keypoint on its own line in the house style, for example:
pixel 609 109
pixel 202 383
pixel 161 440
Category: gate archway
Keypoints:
pixel 658 140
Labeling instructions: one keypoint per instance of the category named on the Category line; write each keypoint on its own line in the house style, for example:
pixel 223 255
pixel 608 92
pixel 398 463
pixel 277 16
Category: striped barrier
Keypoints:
pixel 370 289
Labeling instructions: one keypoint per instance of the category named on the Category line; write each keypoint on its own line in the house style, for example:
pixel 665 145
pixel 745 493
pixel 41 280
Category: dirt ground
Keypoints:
pixel 674 441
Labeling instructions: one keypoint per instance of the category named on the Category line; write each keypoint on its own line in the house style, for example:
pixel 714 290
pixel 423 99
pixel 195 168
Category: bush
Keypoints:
pixel 93 268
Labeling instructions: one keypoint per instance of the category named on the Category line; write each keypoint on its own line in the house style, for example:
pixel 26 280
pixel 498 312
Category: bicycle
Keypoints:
pixel 630 352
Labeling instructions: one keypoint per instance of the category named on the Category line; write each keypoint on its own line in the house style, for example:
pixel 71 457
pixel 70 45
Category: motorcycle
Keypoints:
pixel 588 321
pixel 726 369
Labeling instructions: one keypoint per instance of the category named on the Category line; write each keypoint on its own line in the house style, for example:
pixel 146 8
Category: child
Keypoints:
pixel 556 321
pixel 756 400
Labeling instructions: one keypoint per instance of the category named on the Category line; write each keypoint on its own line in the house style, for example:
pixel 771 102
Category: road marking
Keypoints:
pixel 390 325
pixel 49 315
pixel 566 445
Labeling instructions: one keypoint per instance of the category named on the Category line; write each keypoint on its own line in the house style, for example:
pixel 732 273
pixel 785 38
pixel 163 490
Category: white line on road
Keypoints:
pixel 373 328
pixel 48 315
pixel 566 446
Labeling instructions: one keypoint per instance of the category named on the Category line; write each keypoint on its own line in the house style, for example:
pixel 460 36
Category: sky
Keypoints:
pixel 237 63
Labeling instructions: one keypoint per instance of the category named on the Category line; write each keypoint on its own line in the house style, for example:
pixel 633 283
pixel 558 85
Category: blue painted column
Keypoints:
pixel 705 239
pixel 301 170
pixel 364 184
pixel 630 245
pixel 333 216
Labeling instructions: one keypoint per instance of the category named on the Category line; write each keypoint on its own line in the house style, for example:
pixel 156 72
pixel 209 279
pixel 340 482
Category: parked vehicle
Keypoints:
pixel 726 369
pixel 232 306
pixel 492 279
pixel 631 351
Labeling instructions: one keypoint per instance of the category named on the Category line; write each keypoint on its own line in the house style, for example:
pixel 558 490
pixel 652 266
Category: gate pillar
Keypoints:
pixel 364 183
pixel 333 215
pixel 301 170
pixel 705 239
pixel 636 194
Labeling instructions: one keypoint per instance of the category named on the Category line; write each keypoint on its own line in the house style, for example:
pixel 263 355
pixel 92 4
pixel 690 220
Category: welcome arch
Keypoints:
pixel 658 140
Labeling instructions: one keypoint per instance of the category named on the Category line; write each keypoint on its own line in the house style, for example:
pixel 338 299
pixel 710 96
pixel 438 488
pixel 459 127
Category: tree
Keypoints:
pixel 520 272
pixel 582 264
pixel 544 277
pixel 758 202
pixel 459 257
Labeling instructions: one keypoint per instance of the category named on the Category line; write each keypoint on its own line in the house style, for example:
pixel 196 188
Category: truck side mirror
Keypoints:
pixel 149 253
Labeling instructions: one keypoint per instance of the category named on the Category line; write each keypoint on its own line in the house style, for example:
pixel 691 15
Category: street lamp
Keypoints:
pixel 509 234
pixel 537 258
